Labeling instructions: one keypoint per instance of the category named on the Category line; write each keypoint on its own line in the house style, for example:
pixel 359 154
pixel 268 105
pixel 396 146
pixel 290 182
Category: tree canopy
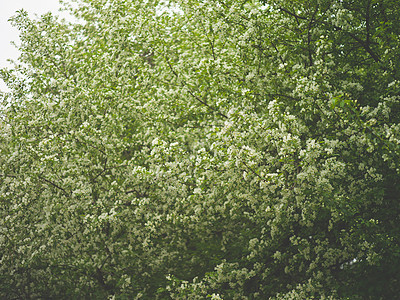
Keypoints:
pixel 194 149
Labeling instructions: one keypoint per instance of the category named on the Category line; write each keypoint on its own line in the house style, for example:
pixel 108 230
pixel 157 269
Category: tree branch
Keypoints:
pixel 254 172
pixel 367 22
pixel 54 185
pixel 364 44
pixel 138 194
pixel 309 40
pixel 184 84
pixel 293 14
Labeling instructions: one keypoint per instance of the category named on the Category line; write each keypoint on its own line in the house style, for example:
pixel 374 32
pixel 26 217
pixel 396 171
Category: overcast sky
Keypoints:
pixel 8 33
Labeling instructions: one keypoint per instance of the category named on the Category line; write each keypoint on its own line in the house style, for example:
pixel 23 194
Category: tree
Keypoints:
pixel 193 149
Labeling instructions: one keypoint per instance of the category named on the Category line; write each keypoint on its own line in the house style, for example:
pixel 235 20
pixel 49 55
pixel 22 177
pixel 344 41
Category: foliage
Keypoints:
pixel 203 149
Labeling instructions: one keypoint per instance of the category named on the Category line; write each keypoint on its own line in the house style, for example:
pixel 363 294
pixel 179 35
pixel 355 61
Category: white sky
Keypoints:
pixel 9 33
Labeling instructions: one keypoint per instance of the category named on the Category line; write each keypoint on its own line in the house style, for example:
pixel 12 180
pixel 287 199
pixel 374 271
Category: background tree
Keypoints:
pixel 192 149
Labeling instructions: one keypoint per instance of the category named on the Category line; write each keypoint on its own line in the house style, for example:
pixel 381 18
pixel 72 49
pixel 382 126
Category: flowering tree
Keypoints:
pixel 192 149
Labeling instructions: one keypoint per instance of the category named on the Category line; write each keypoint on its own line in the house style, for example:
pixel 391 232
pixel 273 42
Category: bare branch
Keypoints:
pixel 293 14
pixel 137 193
pixel 254 172
pixel 364 44
pixel 54 185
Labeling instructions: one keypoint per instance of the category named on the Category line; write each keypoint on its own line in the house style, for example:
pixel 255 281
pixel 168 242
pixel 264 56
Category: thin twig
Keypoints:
pixel 54 185
pixel 184 84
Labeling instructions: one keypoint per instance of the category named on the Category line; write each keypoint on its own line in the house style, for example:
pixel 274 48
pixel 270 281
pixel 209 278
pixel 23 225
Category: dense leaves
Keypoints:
pixel 192 149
